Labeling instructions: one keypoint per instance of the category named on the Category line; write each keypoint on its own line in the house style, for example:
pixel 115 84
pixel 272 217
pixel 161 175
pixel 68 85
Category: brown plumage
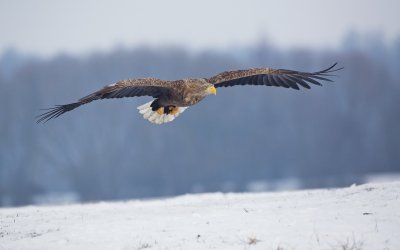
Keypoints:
pixel 173 97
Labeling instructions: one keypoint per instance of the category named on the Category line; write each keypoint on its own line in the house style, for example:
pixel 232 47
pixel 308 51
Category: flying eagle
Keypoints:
pixel 171 98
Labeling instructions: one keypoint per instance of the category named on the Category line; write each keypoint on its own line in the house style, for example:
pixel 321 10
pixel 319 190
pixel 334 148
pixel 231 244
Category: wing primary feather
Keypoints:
pixel 56 111
pixel 308 79
pixel 299 81
pixel 279 81
pixel 289 81
pixel 254 80
pixel 260 80
pixel 272 80
pixel 321 78
pixel 241 81
pixel 327 70
pixel 126 92
pixel 265 80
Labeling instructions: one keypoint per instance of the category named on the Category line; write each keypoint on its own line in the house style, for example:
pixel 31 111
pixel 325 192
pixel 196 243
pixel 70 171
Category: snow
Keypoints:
pixel 357 217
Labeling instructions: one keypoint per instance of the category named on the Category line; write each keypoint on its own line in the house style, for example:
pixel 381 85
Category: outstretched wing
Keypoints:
pixel 125 88
pixel 272 77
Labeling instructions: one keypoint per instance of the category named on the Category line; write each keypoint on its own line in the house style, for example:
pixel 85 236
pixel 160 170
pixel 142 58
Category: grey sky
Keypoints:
pixel 47 27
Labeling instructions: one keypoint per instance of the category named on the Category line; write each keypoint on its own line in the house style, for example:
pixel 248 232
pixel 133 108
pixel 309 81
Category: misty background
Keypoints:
pixel 251 138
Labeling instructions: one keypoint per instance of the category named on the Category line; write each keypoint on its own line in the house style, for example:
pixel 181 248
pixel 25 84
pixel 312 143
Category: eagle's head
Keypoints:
pixel 211 90
pixel 208 87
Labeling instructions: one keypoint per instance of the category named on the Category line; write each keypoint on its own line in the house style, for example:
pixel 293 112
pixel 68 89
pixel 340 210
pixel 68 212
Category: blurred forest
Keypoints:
pixel 324 137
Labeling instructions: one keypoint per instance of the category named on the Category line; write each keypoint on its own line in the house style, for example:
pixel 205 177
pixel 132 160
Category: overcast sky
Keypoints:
pixel 48 27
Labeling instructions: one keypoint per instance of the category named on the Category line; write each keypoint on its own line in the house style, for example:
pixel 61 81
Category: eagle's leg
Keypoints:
pixel 167 110
pixel 155 106
pixel 172 110
pixel 158 113
pixel 160 110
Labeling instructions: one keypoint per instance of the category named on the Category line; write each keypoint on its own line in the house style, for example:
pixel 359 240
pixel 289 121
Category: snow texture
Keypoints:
pixel 358 217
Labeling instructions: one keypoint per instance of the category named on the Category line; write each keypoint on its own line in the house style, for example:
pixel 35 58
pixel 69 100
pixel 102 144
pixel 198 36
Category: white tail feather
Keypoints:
pixel 155 117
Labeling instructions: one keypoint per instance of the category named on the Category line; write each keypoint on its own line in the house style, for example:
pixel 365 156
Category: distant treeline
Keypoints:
pixel 326 136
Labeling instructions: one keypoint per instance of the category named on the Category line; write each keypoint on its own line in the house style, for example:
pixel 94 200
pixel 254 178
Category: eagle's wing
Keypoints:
pixel 272 77
pixel 125 88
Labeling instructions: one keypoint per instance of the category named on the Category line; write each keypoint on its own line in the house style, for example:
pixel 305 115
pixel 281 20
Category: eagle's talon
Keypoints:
pixel 160 110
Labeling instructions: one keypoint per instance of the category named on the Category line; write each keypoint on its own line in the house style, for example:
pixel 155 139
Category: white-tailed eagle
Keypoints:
pixel 171 98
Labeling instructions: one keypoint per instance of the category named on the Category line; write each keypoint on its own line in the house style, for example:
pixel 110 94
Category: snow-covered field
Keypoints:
pixel 358 217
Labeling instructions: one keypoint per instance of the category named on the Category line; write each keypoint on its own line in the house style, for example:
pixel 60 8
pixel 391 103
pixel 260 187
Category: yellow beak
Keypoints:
pixel 212 90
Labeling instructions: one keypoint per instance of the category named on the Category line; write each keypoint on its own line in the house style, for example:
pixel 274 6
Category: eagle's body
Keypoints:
pixel 187 93
pixel 173 97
